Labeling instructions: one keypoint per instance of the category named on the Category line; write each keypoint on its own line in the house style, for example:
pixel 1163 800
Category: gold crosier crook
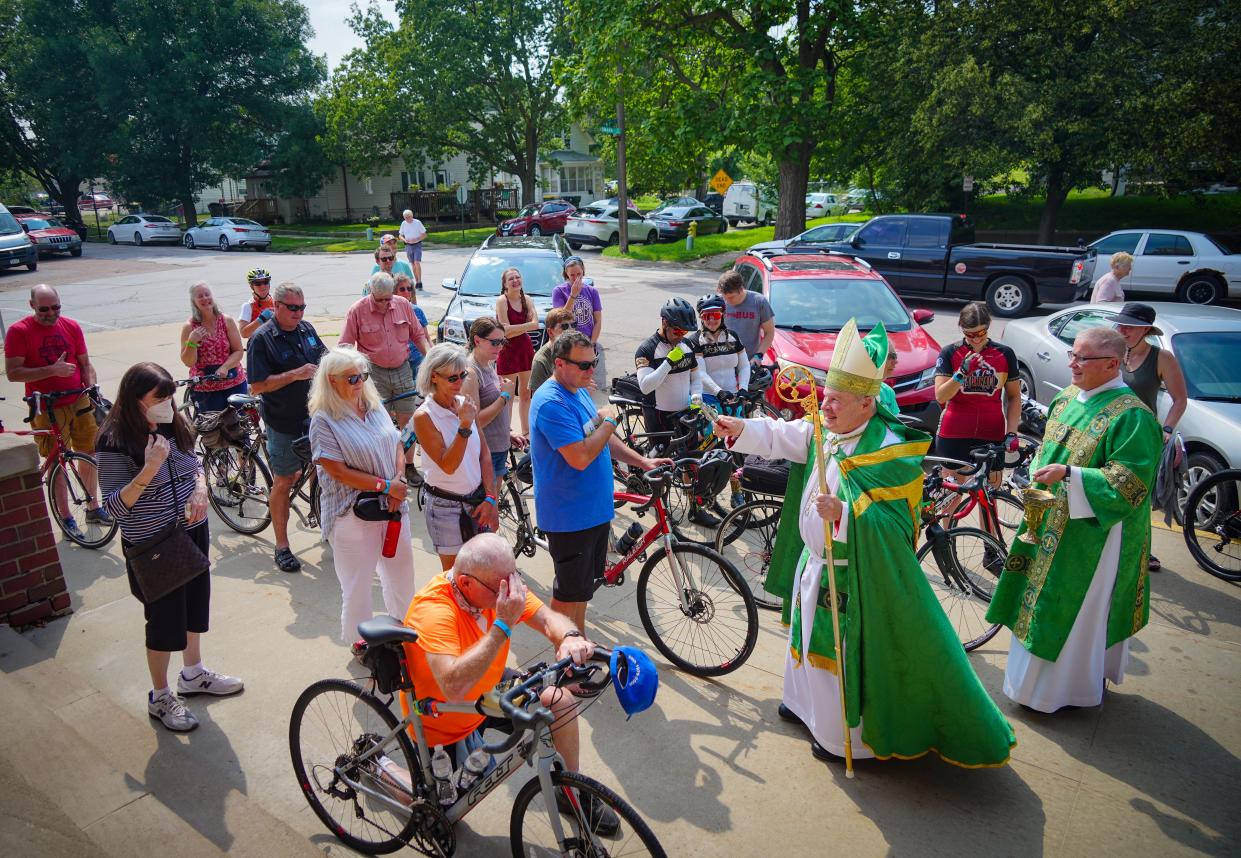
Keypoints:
pixel 789 383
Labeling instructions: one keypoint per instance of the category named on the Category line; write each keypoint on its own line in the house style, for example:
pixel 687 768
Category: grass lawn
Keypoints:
pixel 709 245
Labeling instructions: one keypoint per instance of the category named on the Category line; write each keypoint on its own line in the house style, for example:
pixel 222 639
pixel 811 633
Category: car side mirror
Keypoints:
pixel 25 227
pixel 449 283
pixel 923 317
pixel 856 243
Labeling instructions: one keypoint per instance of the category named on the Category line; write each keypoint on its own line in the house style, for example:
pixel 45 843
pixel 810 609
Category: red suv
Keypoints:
pixel 545 218
pixel 815 294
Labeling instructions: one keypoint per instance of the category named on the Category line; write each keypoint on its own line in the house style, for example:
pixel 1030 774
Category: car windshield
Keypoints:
pixel 40 223
pixel 8 224
pixel 1209 361
pixel 595 211
pixel 540 273
pixel 828 232
pixel 528 211
pixel 827 304
pixel 239 221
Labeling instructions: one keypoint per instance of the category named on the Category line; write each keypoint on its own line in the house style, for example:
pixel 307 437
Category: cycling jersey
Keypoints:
pixel 977 411
pixel 672 383
pixel 726 367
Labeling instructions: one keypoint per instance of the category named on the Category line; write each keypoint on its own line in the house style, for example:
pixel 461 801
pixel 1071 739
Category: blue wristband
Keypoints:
pixel 489 499
pixel 502 626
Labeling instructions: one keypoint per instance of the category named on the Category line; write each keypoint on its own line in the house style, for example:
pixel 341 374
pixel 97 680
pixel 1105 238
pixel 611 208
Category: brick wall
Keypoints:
pixel 32 586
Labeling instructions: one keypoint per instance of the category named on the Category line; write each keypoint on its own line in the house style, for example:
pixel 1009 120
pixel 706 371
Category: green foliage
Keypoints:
pixel 709 245
pixel 299 165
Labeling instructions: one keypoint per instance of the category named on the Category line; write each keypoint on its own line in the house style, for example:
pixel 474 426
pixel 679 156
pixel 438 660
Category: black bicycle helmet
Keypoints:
pixel 678 313
pixel 710 302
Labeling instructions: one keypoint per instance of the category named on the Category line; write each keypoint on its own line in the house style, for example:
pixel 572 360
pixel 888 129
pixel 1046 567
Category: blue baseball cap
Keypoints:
pixel 635 677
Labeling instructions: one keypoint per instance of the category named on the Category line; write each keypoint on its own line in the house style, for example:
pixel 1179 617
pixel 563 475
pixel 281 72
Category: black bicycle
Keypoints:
pixel 1212 525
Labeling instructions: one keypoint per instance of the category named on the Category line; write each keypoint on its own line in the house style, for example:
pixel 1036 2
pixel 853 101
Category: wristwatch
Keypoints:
pixel 1168 429
pixel 572 633
pixel 1068 472
pixel 465 431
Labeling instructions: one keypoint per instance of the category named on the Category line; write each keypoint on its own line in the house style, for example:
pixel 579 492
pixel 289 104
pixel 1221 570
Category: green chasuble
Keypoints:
pixel 907 677
pixel 1113 443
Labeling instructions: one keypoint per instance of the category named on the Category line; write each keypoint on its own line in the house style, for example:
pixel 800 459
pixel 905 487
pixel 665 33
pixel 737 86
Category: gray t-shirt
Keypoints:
pixel 747 318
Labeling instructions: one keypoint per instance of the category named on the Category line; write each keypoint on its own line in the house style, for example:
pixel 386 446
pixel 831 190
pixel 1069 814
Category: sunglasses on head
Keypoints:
pixel 455 377
pixel 292 308
pixel 357 377
pixel 583 365
pixel 52 308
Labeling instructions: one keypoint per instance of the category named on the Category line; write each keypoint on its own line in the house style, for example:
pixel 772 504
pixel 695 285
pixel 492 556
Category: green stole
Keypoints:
pixel 1114 444
pixel 907 678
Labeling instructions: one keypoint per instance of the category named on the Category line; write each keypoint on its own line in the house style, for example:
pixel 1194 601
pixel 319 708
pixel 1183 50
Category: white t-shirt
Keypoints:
pixel 412 231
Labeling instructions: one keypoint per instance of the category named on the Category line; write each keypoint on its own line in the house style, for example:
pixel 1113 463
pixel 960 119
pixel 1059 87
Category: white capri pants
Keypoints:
pixel 357 553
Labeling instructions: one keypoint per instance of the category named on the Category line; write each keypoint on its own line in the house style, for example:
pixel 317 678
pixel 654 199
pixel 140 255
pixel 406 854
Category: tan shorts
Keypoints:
pixel 391 382
pixel 76 430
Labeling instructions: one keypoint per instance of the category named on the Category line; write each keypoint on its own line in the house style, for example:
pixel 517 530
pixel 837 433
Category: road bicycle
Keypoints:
pixel 996 510
pixel 62 471
pixel 374 788
pixel 239 480
pixel 1212 524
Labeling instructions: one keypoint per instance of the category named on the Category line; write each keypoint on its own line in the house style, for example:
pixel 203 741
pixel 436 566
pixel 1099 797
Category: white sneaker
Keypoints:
pixel 171 710
pixel 209 682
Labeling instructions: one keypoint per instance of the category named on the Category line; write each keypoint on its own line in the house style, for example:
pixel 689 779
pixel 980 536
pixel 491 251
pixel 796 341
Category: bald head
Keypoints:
pixel 1103 341
pixel 41 292
pixel 1096 357
pixel 45 302
pixel 487 557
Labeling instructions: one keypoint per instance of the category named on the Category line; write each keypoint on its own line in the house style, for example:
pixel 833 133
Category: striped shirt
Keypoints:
pixel 366 445
pixel 159 503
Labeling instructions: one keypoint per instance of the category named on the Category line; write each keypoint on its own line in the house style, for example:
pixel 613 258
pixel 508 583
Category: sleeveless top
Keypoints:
pixel 1144 381
pixel 469 474
pixel 495 432
pixel 213 351
pixel 518 352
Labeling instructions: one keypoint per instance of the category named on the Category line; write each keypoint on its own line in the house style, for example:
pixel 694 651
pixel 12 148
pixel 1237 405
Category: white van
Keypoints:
pixel 15 247
pixel 747 202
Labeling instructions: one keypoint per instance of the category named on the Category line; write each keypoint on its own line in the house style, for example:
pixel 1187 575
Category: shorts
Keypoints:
pixel 284 462
pixel 444 524
pixel 578 558
pixel 217 400
pixel 76 430
pixel 499 463
pixel 393 382
pixel 413 252
pixel 185 609
pixel 959 448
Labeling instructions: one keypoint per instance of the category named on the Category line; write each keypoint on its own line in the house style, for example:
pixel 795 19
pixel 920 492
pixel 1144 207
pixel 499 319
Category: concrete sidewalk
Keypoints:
pixel 710 767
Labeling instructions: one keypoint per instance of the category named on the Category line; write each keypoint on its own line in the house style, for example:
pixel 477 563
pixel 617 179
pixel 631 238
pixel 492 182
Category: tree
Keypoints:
pixel 299 164
pixel 199 89
pixel 455 76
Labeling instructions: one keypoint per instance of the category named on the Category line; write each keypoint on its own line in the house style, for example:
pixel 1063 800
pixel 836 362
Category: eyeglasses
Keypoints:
pixel 563 326
pixel 583 365
pixel 678 332
pixel 401 289
pixel 292 308
pixel 491 590
pixel 496 344
pixel 460 376
pixel 356 378
pixel 386 258
pixel 1074 357
pixel 975 335
pixel 54 308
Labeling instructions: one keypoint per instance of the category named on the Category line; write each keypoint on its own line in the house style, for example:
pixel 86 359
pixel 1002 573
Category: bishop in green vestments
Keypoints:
pixel 909 686
pixel 1072 611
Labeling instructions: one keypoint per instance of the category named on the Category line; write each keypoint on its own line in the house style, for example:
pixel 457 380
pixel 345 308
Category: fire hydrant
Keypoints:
pixel 689 236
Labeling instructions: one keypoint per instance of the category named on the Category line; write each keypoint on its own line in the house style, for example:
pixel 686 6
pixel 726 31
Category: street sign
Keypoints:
pixel 609 129
pixel 721 182
pixel 462 194
pixel 967 185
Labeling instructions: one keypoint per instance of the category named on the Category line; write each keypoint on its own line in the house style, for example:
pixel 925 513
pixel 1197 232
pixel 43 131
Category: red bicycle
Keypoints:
pixel 71 478
pixel 995 509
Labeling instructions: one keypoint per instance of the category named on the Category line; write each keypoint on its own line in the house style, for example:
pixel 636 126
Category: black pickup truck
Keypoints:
pixel 934 255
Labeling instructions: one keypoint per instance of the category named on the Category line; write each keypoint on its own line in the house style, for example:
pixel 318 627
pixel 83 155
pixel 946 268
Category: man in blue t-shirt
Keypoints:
pixel 571 445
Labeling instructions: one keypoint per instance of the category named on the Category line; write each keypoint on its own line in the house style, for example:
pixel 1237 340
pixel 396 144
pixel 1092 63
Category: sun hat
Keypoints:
pixel 635 677
pixel 1138 315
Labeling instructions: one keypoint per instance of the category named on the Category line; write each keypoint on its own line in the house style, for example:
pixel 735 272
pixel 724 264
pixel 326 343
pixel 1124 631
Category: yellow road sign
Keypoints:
pixel 721 182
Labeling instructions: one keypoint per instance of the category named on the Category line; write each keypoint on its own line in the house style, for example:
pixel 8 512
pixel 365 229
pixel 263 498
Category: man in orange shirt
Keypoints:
pixel 464 618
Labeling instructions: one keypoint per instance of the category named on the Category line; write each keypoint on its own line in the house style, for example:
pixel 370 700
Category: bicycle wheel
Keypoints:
pixel 745 538
pixel 715 632
pixel 68 473
pixel 1213 524
pixel 629 422
pixel 963 574
pixel 515 519
pixel 334 721
pixel 239 488
pixel 530 830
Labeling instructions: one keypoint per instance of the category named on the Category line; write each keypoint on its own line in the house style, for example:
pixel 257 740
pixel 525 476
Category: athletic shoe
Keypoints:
pixel 171 710
pixel 603 820
pixel 737 500
pixel 72 531
pixel 418 287
pixel 702 518
pixel 1153 565
pixel 98 516
pixel 286 562
pixel 209 682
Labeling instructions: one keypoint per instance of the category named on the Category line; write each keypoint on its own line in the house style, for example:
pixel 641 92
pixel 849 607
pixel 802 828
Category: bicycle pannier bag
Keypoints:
pixel 218 429
pixel 765 476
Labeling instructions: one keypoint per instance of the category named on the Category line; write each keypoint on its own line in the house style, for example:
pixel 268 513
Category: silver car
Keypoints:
pixel 228 232
pixel 1207 342
pixel 144 229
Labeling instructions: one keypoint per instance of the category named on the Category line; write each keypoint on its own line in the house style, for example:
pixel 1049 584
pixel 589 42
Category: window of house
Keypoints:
pixel 575 179
pixel 441 178
pixel 369 184
pixel 405 180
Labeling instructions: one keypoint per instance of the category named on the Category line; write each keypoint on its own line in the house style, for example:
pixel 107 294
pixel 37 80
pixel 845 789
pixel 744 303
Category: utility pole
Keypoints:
pixel 622 189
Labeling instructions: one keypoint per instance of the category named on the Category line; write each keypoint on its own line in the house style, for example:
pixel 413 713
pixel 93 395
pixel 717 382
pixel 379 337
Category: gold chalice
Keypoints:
pixel 1037 502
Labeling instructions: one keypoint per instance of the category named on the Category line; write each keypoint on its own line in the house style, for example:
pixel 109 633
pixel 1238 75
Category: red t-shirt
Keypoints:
pixel 977 411
pixel 42 345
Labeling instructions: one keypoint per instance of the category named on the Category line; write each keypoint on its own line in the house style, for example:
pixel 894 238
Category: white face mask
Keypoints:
pixel 161 413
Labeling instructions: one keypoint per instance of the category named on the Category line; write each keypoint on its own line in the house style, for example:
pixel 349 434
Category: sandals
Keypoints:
pixel 285 561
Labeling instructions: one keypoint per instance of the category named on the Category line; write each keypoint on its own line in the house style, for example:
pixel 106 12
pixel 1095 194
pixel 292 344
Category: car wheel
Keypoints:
pixel 733 222
pixel 575 245
pixel 535 230
pixel 77 251
pixel 1200 289
pixel 614 239
pixel 652 237
pixel 138 239
pixel 1010 297
pixel 1026 379
pixel 1199 466
pixel 723 226
pixel 33 265
pixel 188 241
pixel 224 243
pixel 111 237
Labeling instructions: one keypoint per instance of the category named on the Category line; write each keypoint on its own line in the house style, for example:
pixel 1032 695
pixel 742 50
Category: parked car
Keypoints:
pixel 545 218
pixel 142 229
pixel 747 202
pixel 599 224
pixel 814 295
pixel 227 233
pixel 715 202
pixel 90 202
pixel 673 222
pixel 860 199
pixel 541 262
pixel 824 205
pixel 1206 342
pixel 50 235
pixel 673 202
pixel 1171 264
pixel 815 238
pixel 18 211
pixel 933 255
pixel 15 246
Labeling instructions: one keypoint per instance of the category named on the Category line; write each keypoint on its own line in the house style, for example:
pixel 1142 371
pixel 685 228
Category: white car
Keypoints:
pixel 598 223
pixel 228 232
pixel 142 229
pixel 824 205
pixel 1171 264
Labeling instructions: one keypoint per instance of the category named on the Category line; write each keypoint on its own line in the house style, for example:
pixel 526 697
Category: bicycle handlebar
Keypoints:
pixel 36 400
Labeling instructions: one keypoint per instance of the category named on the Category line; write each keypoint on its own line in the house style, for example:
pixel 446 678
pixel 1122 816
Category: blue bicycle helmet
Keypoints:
pixel 636 679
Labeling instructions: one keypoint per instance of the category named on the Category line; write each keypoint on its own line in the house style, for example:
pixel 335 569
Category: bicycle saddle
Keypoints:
pixel 385 630
pixel 240 400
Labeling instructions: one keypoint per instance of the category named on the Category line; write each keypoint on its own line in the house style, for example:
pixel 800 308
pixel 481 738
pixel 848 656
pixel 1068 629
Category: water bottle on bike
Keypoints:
pixel 475 767
pixel 441 769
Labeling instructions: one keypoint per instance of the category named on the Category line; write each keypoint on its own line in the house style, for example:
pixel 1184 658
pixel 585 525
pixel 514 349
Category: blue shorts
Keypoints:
pixel 284 462
pixel 217 400
pixel 499 463
pixel 413 252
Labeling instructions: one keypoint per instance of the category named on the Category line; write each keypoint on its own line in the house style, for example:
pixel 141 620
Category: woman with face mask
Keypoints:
pixel 148 476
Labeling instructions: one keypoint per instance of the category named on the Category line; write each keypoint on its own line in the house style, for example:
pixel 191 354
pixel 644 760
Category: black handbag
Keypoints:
pixel 371 506
pixel 167 560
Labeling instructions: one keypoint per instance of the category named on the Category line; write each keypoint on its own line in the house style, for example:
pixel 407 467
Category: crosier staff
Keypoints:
pixel 789 383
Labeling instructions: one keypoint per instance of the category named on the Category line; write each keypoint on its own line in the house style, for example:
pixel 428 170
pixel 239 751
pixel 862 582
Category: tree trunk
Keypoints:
pixel 1057 192
pixel 344 181
pixel 794 172
pixel 189 209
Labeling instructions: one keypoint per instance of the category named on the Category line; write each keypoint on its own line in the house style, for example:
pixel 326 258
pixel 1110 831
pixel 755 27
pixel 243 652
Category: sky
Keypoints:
pixel 333 37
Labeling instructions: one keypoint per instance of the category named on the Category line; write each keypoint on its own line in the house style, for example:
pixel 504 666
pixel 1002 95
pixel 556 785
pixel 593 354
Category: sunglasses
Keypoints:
pixel 975 335
pixel 356 378
pixel 460 376
pixel 54 308
pixel 292 308
pixel 386 258
pixel 564 326
pixel 401 289
pixel 583 365
pixel 1074 357
pixel 496 344
pixel 678 332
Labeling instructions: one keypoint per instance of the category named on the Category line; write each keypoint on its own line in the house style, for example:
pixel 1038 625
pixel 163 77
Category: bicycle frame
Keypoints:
pixel 660 531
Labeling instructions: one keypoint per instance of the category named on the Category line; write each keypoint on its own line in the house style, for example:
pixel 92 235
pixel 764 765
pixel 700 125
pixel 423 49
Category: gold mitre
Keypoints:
pixel 853 368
